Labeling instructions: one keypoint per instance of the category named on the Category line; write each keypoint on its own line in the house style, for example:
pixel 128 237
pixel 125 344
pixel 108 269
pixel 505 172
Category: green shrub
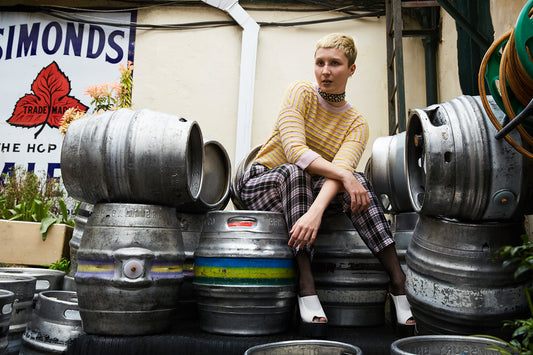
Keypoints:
pixel 26 196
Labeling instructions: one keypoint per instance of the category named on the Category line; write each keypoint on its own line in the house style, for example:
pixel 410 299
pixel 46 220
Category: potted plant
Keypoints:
pixel 35 226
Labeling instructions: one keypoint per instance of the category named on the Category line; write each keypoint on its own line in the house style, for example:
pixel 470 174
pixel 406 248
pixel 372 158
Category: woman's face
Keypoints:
pixel 332 70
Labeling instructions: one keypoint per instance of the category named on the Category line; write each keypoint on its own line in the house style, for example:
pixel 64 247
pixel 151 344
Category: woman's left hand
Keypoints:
pixel 305 229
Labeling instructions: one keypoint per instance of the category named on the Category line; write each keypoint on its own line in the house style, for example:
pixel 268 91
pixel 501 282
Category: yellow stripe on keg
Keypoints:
pixel 95 267
pixel 243 272
pixel 167 268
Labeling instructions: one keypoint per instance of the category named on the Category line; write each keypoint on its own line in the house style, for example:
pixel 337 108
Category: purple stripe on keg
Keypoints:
pixel 166 270
pixel 96 268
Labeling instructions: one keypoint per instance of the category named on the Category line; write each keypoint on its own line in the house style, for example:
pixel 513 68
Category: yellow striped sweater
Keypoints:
pixel 308 127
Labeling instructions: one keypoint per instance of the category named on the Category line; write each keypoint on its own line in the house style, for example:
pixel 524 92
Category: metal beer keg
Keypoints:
pixel 54 324
pixel 315 347
pixel 130 156
pixel 47 279
pixel 80 220
pixel 454 285
pixel 241 167
pixel 350 281
pixel 386 171
pixel 23 287
pixel 191 229
pixel 215 190
pixel 244 274
pixel 130 265
pixel 456 168
pixel 6 308
pixel 446 344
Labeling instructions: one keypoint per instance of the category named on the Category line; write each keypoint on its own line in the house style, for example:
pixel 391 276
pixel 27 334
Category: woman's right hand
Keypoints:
pixel 305 229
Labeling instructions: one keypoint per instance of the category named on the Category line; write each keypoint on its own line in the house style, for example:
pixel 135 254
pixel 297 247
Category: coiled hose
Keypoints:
pixel 508 69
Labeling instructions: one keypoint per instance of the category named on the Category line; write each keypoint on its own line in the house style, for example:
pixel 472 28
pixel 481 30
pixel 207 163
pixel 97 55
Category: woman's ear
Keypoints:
pixel 352 69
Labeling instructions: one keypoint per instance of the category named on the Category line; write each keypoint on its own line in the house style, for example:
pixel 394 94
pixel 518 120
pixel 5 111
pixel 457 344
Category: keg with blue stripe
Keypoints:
pixel 130 268
pixel 244 273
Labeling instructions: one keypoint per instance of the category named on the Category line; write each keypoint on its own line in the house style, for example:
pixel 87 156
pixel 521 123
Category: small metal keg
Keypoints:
pixel 241 167
pixel 402 228
pixel 244 273
pixel 130 268
pixel 191 229
pixel 454 283
pixel 446 344
pixel 6 308
pixel 386 171
pixel 23 287
pixel 350 281
pixel 55 323
pixel 80 220
pixel 215 190
pixel 130 156
pixel 300 347
pixel 458 169
pixel 47 279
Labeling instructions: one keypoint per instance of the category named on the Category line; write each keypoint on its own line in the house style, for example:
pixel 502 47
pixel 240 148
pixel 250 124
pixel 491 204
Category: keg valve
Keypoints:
pixel 418 140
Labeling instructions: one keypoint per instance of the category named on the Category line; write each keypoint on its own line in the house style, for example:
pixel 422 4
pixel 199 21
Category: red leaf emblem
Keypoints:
pixel 48 102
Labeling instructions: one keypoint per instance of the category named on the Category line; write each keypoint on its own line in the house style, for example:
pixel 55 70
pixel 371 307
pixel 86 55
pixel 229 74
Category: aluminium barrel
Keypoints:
pixel 6 308
pixel 23 287
pixel 350 281
pixel 455 285
pixel 133 156
pixel 54 324
pixel 458 169
pixel 244 273
pixel 130 268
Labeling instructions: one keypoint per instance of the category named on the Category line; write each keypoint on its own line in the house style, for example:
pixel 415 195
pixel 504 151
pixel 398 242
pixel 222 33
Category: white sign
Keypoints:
pixel 45 65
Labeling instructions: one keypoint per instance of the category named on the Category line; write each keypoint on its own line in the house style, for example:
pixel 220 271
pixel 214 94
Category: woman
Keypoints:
pixel 309 163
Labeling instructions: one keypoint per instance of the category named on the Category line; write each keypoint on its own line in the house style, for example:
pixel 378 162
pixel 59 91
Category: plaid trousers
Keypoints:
pixel 290 190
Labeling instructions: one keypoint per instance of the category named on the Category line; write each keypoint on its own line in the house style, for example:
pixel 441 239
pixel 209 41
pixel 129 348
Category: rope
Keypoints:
pixel 513 85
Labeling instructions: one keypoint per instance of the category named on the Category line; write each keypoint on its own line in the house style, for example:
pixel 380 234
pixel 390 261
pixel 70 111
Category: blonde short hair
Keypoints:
pixel 342 42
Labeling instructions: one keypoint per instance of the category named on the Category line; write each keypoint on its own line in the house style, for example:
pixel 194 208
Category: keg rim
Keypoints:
pixel 31 271
pixel 49 296
pixel 302 342
pixel 11 277
pixel 6 293
pixel 396 345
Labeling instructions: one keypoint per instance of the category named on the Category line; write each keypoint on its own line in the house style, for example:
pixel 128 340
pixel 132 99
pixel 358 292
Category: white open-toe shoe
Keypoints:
pixel 404 316
pixel 310 313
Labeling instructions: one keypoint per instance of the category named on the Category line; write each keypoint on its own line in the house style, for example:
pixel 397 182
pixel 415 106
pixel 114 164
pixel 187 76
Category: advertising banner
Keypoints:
pixel 45 65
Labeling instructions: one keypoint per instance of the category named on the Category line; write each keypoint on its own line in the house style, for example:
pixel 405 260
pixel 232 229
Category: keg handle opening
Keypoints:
pixel 241 222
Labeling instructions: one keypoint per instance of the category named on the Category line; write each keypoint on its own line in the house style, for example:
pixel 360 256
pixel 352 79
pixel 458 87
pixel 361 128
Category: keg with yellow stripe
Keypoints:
pixel 244 273
pixel 130 268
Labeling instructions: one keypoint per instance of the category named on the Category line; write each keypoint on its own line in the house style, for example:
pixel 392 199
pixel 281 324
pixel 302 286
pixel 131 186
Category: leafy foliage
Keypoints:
pixel 61 265
pixel 520 257
pixel 25 196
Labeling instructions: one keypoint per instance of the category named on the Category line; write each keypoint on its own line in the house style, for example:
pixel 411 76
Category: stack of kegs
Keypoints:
pixel 28 324
pixel 471 192
pixel 139 174
pixel 387 171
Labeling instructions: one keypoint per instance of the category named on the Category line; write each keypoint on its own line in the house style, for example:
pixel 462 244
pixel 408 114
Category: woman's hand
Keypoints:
pixel 305 229
pixel 358 194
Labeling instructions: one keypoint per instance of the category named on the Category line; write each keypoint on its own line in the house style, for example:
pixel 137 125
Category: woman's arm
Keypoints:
pixel 338 179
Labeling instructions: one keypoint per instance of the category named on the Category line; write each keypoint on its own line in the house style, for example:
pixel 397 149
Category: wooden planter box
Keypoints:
pixel 22 243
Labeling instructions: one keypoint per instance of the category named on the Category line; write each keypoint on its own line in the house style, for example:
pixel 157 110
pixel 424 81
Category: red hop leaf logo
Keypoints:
pixel 48 102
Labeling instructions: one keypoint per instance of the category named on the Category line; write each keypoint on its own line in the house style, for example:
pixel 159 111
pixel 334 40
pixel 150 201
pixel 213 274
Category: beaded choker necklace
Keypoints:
pixel 332 97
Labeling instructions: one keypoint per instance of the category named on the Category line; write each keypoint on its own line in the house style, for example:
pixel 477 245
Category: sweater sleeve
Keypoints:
pixel 353 146
pixel 291 125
